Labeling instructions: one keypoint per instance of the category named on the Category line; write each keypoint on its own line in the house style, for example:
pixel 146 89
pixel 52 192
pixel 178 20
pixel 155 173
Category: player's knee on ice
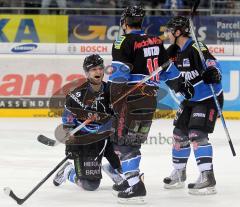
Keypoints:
pixel 89 185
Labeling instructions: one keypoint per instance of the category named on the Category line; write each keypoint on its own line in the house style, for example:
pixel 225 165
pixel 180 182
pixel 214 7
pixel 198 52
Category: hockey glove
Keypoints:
pixel 211 75
pixel 187 90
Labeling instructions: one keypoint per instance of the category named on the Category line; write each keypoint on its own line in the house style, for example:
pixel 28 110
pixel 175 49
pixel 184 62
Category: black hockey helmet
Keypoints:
pixel 179 23
pixel 92 61
pixel 133 16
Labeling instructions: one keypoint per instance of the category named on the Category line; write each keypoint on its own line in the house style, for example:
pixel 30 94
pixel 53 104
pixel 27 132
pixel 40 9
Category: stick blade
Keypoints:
pixel 45 140
pixel 8 191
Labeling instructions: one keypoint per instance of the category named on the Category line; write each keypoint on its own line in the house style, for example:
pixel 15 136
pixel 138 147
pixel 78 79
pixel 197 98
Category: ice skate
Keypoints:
pixel 135 194
pixel 123 184
pixel 63 174
pixel 205 185
pixel 176 180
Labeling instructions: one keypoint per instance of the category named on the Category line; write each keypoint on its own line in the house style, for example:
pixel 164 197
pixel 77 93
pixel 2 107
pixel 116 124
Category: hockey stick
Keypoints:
pixel 51 142
pixel 20 201
pixel 155 72
pixel 210 85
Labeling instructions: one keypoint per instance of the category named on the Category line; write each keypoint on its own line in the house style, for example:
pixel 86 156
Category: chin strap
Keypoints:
pixel 175 42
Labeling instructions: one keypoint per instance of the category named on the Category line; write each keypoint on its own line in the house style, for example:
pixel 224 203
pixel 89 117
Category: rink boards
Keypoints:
pixel 27 82
pixel 39 113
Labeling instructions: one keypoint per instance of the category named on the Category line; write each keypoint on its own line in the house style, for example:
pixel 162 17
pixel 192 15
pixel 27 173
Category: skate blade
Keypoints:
pixel 203 191
pixel 140 200
pixel 178 185
pixel 115 193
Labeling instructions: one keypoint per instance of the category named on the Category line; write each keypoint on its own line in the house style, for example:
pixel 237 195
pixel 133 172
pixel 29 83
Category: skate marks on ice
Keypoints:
pixel 23 162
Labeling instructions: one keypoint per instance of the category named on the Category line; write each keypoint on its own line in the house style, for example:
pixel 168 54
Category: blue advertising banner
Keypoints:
pixel 99 29
pixel 93 29
pixel 231 88
pixel 231 84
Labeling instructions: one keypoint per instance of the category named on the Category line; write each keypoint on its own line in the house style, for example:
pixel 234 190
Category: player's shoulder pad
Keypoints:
pixel 119 41
pixel 201 45
pixel 80 89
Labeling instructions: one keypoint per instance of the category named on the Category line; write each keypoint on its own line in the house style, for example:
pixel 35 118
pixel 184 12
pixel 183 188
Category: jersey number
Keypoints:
pixel 153 65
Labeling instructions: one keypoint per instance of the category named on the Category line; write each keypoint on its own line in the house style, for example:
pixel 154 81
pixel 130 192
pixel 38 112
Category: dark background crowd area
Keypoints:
pixel 111 7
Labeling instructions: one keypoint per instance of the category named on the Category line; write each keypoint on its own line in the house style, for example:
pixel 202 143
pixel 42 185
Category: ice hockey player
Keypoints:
pixel 136 55
pixel 90 97
pixel 196 117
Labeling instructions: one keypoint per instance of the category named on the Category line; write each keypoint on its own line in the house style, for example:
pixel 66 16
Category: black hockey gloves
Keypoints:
pixel 186 89
pixel 211 75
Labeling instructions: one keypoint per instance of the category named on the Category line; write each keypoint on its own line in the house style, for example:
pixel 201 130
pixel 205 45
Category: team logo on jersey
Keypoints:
pixel 146 43
pixel 199 115
pixel 189 75
pixel 118 42
pixel 210 62
pixel 74 97
pixel 201 45
pixel 186 62
pixel 70 118
pixel 78 94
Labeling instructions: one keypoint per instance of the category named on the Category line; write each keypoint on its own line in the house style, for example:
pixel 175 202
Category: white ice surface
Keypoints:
pixel 24 162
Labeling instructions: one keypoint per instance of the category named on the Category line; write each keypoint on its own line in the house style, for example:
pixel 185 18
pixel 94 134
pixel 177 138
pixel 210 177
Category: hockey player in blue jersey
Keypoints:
pixel 196 117
pixel 88 146
pixel 136 55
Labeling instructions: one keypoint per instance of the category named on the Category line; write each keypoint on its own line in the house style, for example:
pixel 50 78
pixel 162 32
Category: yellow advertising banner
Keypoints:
pixel 45 112
pixel 34 28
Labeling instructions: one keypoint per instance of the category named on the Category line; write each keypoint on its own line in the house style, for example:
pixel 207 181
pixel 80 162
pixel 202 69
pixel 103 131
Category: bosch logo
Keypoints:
pixel 24 48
